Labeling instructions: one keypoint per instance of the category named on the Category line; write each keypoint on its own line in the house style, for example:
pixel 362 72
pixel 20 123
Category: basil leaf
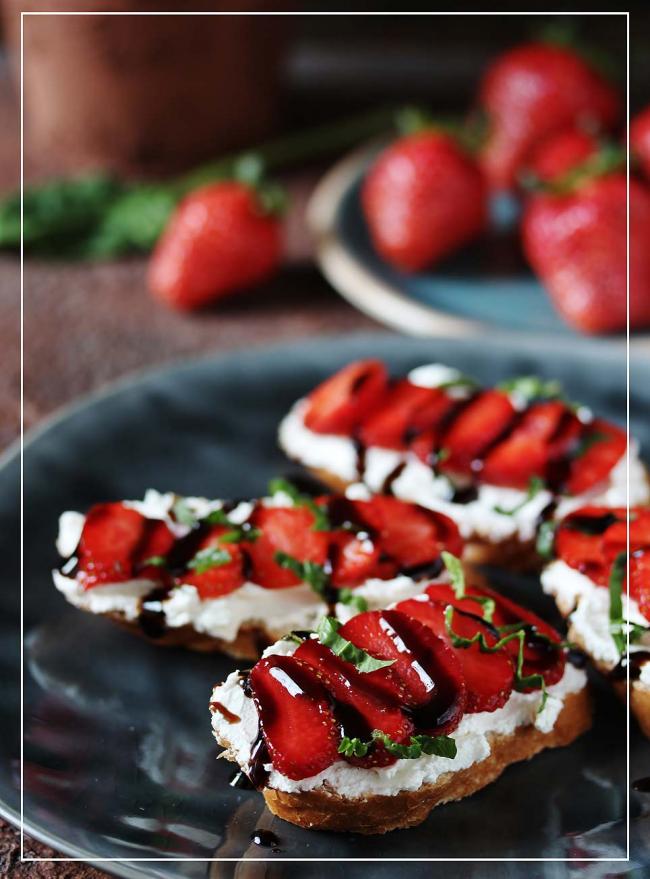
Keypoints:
pixel 240 534
pixel 438 746
pixel 463 381
pixel 532 387
pixel 155 561
pixel 457 574
pixel 546 539
pixel 587 441
pixel 347 596
pixel 616 578
pixel 328 635
pixel 309 572
pixel 183 514
pixel 321 521
pixel 535 485
pixel 211 557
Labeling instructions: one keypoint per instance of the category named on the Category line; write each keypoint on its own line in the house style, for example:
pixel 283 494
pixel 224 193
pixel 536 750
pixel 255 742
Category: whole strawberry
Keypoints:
pixel 577 244
pixel 423 198
pixel 532 91
pixel 640 140
pixel 560 153
pixel 221 239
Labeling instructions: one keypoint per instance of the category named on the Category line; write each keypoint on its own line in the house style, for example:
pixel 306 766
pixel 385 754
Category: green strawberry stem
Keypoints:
pixel 610 157
pixel 99 217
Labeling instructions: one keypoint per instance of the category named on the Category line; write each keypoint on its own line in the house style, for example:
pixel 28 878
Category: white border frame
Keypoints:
pixel 133 860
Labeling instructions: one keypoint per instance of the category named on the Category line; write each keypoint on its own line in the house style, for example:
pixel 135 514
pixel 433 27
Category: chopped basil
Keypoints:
pixel 438 746
pixel 463 381
pixel 532 387
pixel 442 454
pixel 321 521
pixel 310 572
pixel 616 578
pixel 535 485
pixel 522 682
pixel 183 514
pixel 211 557
pixel 155 561
pixel 546 539
pixel 328 635
pixel 347 596
pixel 455 568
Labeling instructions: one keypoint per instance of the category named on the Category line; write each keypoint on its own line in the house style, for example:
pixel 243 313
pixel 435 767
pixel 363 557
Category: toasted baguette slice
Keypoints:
pixel 324 809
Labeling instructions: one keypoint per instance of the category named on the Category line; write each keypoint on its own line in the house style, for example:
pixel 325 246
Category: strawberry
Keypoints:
pixel 425 674
pixel 359 708
pixel 355 559
pixel 640 581
pixel 603 446
pixel 577 244
pixel 220 240
pixel 340 403
pixel 222 577
pixel 423 199
pixel 488 676
pixel 406 411
pixel 289 531
pixel 640 140
pixel 480 424
pixel 111 537
pixel 411 535
pixel 561 152
pixel 532 91
pixel 524 453
pixel 296 716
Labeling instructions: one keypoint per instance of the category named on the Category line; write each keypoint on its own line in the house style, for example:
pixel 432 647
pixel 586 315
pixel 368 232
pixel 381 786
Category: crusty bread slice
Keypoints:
pixel 639 694
pixel 512 554
pixel 324 809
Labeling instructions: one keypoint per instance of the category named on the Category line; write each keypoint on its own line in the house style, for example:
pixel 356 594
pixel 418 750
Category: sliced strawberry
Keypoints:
pixel 157 543
pixel 296 716
pixel 359 708
pixel 406 411
pixel 355 559
pixel 614 539
pixel 481 423
pixel 288 530
pixel 488 676
pixel 110 539
pixel 640 581
pixel 540 656
pixel 409 534
pixel 425 674
pixel 341 403
pixel 524 453
pixel 578 544
pixel 595 463
pixel 219 579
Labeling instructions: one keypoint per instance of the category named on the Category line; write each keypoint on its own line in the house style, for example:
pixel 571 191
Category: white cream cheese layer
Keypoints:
pixel 277 610
pixel 472 739
pixel 587 606
pixel 496 515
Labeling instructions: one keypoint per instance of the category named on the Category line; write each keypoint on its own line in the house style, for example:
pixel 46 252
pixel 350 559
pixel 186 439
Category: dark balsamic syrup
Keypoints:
pixel 594 526
pixel 393 476
pixel 266 839
pixel 361 457
pixel 465 495
pixel 224 712
pixel 152 616
pixel 576 657
pixel 634 660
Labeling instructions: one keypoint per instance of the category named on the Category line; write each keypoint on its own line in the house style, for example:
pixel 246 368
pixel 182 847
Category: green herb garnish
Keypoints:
pixel 321 521
pixel 463 381
pixel 348 596
pixel 211 557
pixel 535 485
pixel 183 514
pixel 328 635
pixel 438 746
pixel 522 682
pixel 546 539
pixel 591 439
pixel 309 572
pixel 457 574
pixel 616 578
pixel 532 387
pixel 155 561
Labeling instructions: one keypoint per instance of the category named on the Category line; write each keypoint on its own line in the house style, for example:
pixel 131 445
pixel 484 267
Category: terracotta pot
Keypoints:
pixel 145 94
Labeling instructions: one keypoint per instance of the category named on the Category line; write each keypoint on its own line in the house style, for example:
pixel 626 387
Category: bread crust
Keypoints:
pixel 326 810
pixel 513 554
pixel 639 695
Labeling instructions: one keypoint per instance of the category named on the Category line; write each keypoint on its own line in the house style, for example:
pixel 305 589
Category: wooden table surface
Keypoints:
pixel 86 325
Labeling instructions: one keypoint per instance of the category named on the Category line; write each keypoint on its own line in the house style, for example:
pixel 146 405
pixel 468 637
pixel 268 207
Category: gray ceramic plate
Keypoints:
pixel 119 760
